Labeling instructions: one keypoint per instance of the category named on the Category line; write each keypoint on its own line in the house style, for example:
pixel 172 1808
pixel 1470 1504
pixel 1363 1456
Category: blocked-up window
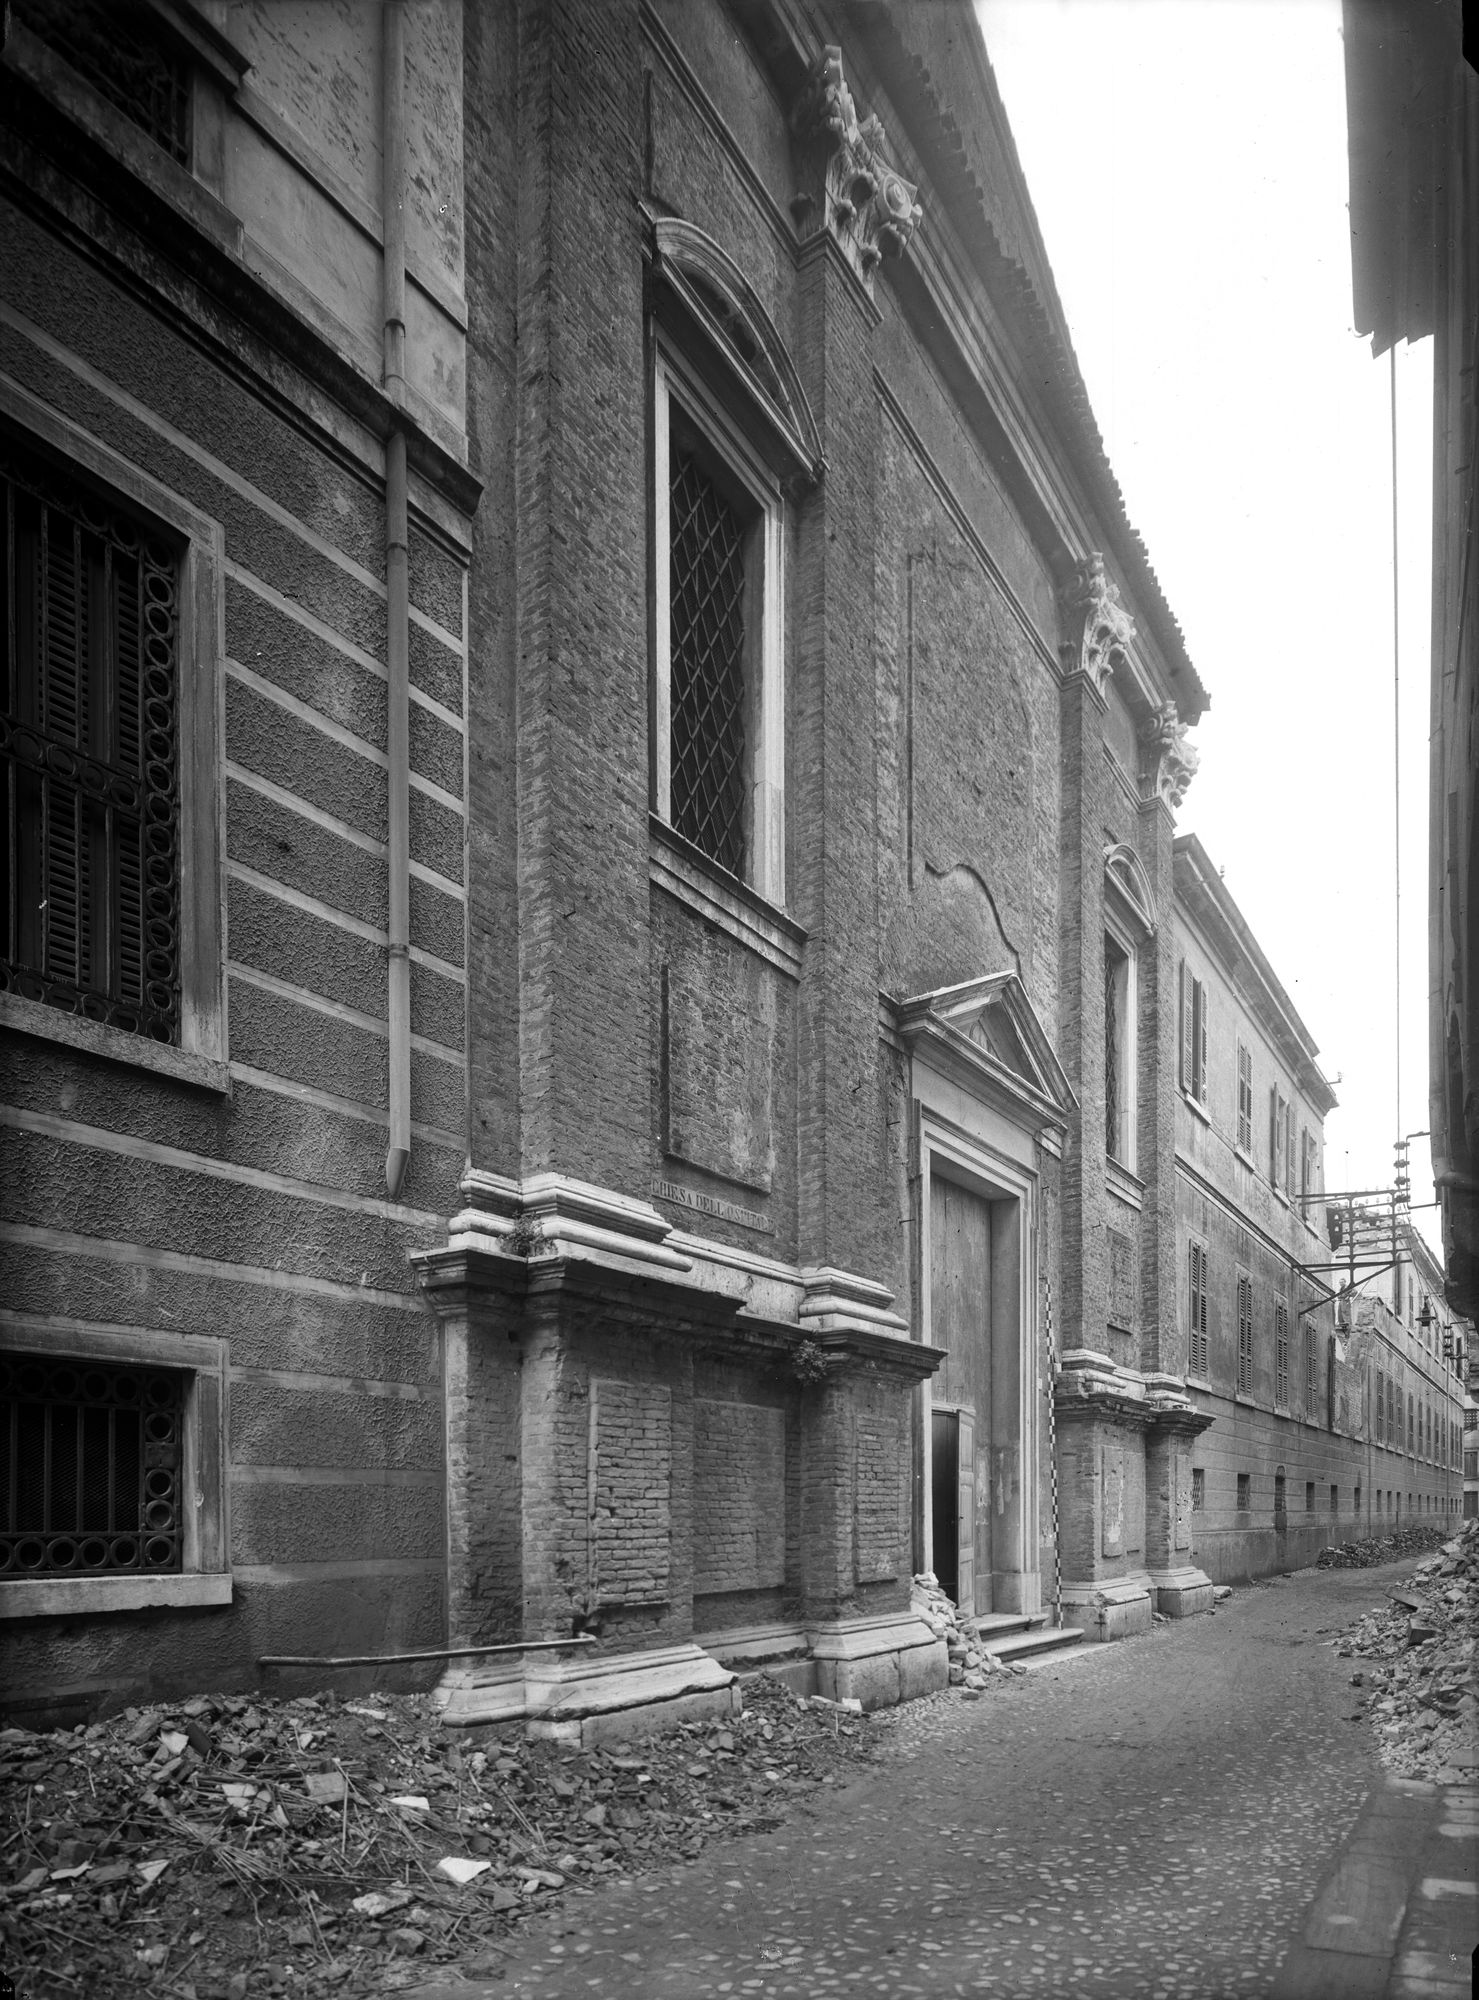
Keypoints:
pixel 90 1462
pixel 1245 1335
pixel 1196 1308
pixel 89 820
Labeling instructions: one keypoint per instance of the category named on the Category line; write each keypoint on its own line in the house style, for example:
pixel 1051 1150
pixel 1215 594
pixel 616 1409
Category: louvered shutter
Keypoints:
pixel 1199 1088
pixel 1187 1050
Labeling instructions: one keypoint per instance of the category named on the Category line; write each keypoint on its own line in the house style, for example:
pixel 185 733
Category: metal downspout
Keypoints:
pixel 397 592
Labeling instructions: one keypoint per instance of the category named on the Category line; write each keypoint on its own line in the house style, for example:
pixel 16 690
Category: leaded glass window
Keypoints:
pixel 708 663
pixel 89 814
pixel 90 1468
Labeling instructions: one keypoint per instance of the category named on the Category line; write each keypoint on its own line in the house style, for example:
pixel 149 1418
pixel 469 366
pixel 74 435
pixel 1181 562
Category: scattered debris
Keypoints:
pixel 971 1666
pixel 304 1846
pixel 1419 1690
pixel 1381 1548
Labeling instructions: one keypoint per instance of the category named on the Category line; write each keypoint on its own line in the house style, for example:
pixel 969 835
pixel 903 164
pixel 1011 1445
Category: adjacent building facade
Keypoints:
pixel 1412 99
pixel 1319 1345
pixel 595 1022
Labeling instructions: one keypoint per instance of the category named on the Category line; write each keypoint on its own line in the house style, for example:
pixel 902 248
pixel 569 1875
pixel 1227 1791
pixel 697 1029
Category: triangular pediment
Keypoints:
pixel 989 1030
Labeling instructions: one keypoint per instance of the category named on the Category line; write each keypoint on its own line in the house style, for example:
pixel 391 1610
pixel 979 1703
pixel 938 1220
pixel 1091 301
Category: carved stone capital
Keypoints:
pixel 1100 628
pixel 1170 760
pixel 866 203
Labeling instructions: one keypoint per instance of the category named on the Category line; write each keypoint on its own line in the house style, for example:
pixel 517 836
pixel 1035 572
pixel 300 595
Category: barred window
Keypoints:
pixel 1245 1491
pixel 1245 1335
pixel 90 1466
pixel 709 536
pixel 89 832
pixel 121 52
pixel 1281 1352
pixel 1198 1489
pixel 1196 1308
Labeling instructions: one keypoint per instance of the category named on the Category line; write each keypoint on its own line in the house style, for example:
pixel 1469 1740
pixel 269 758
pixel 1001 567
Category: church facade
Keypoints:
pixel 693 772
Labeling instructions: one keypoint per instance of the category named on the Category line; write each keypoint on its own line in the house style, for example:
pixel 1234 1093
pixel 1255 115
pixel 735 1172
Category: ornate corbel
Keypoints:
pixel 869 206
pixel 1170 761
pixel 1102 629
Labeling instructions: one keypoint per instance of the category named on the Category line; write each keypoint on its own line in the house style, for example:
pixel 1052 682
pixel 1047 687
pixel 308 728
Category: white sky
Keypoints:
pixel 1187 161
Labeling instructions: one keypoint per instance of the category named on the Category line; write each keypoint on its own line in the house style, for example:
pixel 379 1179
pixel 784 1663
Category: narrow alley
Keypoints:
pixel 1156 1818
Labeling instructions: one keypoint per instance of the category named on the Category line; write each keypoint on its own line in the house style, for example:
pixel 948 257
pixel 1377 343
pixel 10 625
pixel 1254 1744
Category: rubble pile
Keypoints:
pixel 1381 1548
pixel 230 1846
pixel 1420 1690
pixel 970 1666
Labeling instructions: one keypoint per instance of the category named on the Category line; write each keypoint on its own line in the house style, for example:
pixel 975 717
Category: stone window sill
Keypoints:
pixel 67 1596
pixel 1122 1181
pixel 1196 1107
pixel 687 874
pixel 50 1024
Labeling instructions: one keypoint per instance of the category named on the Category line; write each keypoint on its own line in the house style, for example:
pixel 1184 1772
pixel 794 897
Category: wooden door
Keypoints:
pixel 960 1322
pixel 965 1514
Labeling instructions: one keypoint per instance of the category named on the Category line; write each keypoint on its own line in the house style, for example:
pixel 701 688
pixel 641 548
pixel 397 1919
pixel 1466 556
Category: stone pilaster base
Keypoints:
pixel 1110 1610
pixel 1182 1592
pixel 592 1697
pixel 878 1661
pixel 595 1698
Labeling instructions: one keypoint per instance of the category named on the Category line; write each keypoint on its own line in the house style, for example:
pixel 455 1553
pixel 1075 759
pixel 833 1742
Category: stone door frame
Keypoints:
pixel 995 1159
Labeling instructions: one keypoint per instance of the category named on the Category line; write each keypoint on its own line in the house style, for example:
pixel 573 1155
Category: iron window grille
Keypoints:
pixel 1245 1492
pixel 90 1468
pixel 1198 1489
pixel 119 51
pixel 1245 1335
pixel 709 693
pixel 89 815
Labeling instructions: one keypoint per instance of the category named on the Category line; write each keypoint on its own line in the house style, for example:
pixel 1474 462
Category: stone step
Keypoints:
pixel 998 1624
pixel 1042 1639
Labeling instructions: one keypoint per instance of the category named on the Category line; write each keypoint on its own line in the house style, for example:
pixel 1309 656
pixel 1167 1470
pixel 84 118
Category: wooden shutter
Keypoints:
pixel 1187 1047
pixel 965 1473
pixel 1273 1138
pixel 1199 1088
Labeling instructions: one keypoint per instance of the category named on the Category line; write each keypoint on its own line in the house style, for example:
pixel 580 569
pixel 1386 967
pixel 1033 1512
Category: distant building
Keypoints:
pixel 1400 1332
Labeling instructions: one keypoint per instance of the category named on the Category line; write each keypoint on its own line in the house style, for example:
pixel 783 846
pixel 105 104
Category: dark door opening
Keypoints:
pixel 945 1498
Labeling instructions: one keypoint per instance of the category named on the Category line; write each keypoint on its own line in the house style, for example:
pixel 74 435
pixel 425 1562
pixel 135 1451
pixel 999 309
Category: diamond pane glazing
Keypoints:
pixel 708 667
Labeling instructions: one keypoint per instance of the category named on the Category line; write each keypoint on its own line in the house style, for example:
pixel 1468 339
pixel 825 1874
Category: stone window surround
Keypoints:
pixel 205 1578
pixel 200 1057
pixel 675 379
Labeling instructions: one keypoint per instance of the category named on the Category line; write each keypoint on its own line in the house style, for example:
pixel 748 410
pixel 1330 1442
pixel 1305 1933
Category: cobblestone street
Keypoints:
pixel 1153 1819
